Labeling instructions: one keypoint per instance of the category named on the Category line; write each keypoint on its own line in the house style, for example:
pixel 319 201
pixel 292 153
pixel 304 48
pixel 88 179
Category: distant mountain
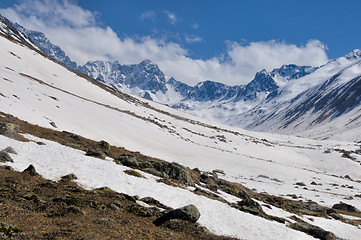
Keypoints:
pixel 287 99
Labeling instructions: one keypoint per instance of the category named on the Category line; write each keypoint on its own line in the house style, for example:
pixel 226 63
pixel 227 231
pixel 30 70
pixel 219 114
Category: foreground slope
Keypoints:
pixel 35 89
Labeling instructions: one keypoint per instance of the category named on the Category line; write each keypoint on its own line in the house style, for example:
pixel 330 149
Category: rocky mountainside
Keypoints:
pixel 91 155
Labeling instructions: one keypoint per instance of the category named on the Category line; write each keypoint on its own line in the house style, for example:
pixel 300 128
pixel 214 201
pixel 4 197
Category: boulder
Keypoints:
pixel 10 150
pixel 188 213
pixel 30 170
pixel 5 157
pixel 142 211
pixel 345 207
pixel 105 146
pixel 250 206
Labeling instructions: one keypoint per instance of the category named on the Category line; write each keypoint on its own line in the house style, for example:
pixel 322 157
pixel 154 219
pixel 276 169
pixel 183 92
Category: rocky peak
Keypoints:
pixel 354 54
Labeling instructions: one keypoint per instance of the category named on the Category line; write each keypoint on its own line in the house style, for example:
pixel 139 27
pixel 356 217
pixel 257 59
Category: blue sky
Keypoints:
pixel 226 41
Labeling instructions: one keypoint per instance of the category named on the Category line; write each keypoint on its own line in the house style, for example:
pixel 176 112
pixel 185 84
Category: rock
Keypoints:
pixel 30 170
pixel 53 124
pixel 76 210
pixel 188 213
pixel 95 153
pixel 243 194
pixel 70 176
pixel 250 206
pixel 313 183
pixel 348 177
pixel 313 230
pixel 142 211
pixel 104 146
pixel 10 150
pixel 115 205
pixel 313 206
pixel 173 170
pixel 302 184
pixel 8 128
pixel 5 157
pixel 345 207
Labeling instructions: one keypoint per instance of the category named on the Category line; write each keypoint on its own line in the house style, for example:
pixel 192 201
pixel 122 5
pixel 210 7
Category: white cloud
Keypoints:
pixel 171 16
pixel 192 38
pixel 148 15
pixel 195 26
pixel 78 33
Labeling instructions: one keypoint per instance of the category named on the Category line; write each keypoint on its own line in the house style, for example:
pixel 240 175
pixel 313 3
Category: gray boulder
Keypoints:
pixel 188 213
pixel 10 150
pixel 345 207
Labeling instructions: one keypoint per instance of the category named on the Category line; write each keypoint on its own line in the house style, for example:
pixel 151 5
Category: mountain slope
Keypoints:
pixel 37 90
pixel 317 99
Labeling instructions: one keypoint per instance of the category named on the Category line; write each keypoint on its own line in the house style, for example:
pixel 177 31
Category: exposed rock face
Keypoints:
pixel 188 213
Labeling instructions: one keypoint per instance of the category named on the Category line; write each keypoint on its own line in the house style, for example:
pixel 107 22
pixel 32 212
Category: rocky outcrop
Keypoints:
pixel 157 167
pixel 31 170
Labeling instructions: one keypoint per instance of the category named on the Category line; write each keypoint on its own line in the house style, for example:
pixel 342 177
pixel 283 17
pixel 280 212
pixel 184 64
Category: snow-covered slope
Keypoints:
pixel 37 90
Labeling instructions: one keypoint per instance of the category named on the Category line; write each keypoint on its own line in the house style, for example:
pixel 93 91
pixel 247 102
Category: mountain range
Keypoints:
pixel 270 102
pixel 100 163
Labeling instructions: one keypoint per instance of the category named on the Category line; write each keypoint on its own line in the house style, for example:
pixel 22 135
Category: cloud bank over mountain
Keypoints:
pixel 84 37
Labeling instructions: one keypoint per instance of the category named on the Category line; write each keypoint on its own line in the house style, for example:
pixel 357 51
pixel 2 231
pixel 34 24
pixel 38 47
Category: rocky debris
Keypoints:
pixel 10 150
pixel 30 170
pixel 166 169
pixel 188 213
pixel 243 194
pixel 312 230
pixel 9 231
pixel 8 129
pixel 313 207
pixel 70 176
pixel 95 153
pixel 5 157
pixel 345 207
pixel 142 211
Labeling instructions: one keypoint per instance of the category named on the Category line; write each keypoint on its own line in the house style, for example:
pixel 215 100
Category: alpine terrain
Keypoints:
pixel 94 152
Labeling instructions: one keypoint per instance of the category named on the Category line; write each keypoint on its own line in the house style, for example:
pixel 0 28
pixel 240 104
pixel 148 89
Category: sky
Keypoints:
pixel 225 41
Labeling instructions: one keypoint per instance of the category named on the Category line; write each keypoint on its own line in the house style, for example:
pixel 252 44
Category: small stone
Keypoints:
pixel 313 183
pixel 76 210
